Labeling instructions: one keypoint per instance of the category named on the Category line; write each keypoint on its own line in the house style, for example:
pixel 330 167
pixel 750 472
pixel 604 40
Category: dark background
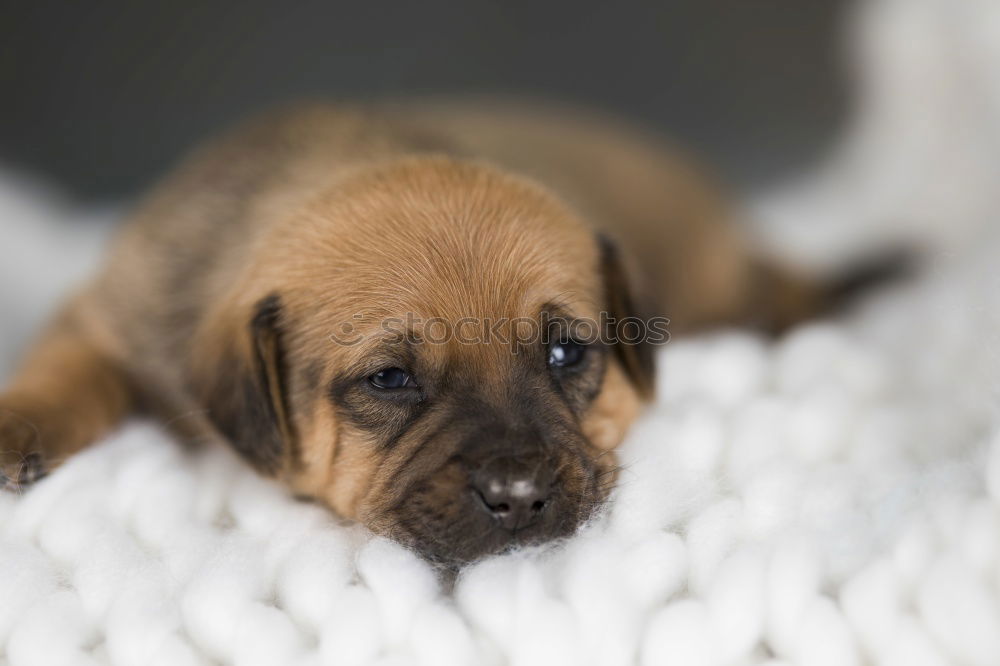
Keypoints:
pixel 103 96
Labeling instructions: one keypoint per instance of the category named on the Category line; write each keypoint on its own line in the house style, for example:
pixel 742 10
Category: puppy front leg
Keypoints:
pixel 65 396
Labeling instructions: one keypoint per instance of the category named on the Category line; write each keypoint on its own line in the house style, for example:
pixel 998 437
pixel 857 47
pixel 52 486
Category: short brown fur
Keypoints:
pixel 216 308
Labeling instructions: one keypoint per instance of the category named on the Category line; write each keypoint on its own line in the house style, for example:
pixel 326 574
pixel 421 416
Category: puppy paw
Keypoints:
pixel 21 464
pixel 18 477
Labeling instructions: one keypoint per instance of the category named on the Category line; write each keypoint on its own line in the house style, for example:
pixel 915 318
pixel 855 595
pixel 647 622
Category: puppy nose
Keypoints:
pixel 514 492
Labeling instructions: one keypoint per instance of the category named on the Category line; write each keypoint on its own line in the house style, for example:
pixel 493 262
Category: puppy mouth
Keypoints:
pixel 468 549
pixel 472 530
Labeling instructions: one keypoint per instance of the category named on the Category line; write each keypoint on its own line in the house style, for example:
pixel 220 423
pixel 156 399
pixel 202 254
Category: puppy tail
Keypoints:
pixel 784 297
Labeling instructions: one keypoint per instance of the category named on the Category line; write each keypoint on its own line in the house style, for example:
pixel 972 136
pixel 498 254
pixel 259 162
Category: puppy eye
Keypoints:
pixel 565 353
pixel 391 378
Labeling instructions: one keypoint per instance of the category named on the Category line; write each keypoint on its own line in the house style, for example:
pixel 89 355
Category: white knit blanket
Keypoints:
pixel 832 497
pixel 827 499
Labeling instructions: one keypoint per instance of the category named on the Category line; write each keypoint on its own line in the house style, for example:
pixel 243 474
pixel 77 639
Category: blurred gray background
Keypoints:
pixel 101 96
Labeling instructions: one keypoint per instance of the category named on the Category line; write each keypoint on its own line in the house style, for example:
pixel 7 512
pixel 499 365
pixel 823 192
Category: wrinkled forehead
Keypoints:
pixel 458 241
pixel 451 317
pixel 436 247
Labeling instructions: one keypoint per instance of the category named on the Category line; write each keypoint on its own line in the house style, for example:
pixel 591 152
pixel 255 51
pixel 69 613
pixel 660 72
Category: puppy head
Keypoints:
pixel 423 349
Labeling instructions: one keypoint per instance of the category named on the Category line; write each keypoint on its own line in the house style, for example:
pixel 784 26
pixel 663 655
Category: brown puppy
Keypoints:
pixel 393 310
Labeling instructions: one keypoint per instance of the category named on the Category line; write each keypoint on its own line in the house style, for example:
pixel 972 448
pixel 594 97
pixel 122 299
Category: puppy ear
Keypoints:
pixel 245 395
pixel 630 333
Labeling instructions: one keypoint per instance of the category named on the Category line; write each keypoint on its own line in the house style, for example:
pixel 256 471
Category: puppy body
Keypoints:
pixel 220 306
